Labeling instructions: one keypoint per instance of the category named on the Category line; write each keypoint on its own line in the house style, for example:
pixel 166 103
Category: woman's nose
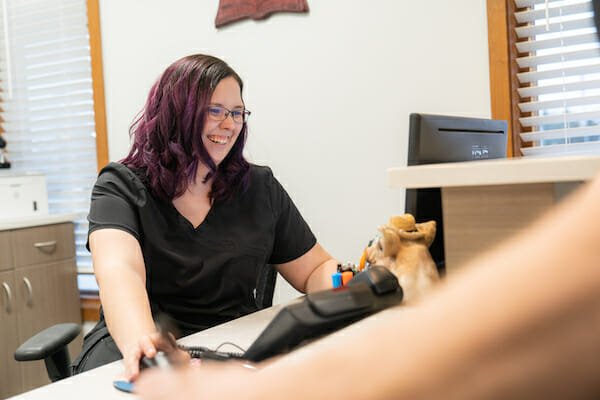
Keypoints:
pixel 227 123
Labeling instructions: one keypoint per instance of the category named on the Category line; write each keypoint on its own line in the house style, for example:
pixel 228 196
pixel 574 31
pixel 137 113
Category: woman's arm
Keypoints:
pixel 121 275
pixel 310 272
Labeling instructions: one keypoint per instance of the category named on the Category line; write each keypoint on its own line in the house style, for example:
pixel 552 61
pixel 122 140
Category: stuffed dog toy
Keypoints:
pixel 404 249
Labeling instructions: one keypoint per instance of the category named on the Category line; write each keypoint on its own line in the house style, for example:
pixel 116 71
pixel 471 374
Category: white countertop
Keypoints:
pixel 27 222
pixel 495 172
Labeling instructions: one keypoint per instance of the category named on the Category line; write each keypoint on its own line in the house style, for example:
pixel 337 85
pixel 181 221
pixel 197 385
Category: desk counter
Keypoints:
pixel 484 202
pixel 495 172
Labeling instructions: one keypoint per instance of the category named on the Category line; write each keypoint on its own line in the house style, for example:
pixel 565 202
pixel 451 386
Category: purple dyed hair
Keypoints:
pixel 167 135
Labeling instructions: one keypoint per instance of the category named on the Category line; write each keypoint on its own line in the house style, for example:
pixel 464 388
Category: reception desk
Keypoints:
pixel 484 202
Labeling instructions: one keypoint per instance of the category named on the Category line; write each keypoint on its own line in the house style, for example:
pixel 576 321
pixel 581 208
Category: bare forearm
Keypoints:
pixel 120 272
pixel 320 278
pixel 310 272
pixel 126 308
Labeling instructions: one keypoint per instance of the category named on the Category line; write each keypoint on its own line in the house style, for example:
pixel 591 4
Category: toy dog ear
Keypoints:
pixel 428 229
pixel 390 241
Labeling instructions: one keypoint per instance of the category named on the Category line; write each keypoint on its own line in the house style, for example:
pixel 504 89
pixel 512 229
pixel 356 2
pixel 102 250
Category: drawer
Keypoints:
pixel 5 251
pixel 43 244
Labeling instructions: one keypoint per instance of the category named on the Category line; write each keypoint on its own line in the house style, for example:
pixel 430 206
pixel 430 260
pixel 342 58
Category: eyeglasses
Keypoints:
pixel 218 113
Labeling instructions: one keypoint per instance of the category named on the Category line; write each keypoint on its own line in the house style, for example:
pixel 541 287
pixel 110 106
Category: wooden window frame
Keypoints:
pixel 90 302
pixel 93 11
pixel 503 70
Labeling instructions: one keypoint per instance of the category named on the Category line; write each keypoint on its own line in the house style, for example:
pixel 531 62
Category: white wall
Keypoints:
pixel 330 91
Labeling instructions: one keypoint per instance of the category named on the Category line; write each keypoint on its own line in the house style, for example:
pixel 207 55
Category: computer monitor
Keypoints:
pixel 441 139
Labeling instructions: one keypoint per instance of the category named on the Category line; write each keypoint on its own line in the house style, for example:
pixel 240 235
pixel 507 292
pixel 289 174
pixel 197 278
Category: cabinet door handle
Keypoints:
pixel 49 246
pixel 29 291
pixel 8 296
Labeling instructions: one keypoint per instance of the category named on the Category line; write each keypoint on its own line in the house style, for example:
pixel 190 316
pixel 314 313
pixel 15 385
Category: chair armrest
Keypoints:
pixel 47 342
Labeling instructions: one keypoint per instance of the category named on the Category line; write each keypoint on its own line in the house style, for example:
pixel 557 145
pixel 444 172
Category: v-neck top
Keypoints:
pixel 204 276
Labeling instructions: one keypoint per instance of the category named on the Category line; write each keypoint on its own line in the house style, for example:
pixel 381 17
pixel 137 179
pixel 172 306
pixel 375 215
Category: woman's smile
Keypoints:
pixel 223 140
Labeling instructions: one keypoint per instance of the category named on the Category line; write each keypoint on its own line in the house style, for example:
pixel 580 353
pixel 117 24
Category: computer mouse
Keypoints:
pixel 160 360
pixel 380 279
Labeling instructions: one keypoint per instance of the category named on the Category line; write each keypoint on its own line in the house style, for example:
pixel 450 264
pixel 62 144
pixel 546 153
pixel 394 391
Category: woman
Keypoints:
pixel 183 223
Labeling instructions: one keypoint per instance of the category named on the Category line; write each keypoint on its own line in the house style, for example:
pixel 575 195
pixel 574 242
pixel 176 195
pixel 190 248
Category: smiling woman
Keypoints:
pixel 184 223
pixel 168 130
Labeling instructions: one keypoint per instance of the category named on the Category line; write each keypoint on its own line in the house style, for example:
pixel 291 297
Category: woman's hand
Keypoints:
pixel 149 345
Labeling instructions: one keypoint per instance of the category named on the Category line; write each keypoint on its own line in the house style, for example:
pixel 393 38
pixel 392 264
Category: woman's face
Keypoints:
pixel 219 137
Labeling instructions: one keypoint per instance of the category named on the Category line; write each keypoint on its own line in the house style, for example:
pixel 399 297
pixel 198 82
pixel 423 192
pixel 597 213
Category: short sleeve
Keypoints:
pixel 116 196
pixel 293 236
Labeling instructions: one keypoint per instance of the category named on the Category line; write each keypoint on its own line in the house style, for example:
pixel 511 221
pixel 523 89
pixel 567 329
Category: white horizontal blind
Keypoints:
pixel 561 101
pixel 47 102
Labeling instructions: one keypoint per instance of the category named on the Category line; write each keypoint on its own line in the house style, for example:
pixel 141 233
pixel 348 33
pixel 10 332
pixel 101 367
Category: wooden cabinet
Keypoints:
pixel 10 374
pixel 38 284
pixel 5 253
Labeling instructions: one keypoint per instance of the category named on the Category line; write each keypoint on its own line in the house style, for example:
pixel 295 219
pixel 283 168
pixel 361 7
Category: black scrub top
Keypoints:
pixel 204 276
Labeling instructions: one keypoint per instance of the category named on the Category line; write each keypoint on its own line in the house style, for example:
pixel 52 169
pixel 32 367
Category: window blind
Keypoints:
pixel 47 103
pixel 559 57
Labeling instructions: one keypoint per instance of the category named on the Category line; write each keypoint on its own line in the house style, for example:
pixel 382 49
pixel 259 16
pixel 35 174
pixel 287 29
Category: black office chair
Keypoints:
pixel 265 286
pixel 51 344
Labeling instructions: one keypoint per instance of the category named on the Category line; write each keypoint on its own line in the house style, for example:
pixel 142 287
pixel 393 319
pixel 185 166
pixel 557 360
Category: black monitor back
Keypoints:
pixel 440 139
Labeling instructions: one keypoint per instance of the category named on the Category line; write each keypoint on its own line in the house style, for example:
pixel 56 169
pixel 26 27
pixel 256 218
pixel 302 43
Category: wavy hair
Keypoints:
pixel 167 134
